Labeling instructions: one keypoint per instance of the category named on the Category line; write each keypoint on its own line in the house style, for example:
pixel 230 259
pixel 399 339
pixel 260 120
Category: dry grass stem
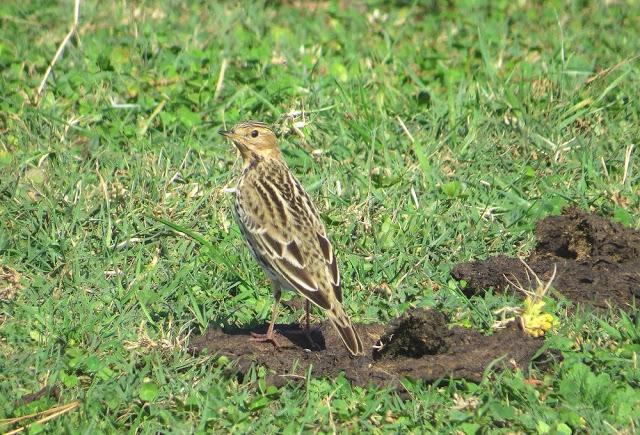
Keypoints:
pixel 73 31
pixel 47 415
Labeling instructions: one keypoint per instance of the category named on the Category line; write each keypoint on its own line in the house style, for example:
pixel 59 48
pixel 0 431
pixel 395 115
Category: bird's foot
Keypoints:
pixel 264 338
pixel 312 344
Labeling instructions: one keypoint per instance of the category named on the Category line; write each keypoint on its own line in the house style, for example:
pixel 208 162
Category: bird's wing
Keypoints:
pixel 284 229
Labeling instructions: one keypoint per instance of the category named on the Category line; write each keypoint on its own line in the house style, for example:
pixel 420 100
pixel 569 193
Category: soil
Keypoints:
pixel 418 345
pixel 598 264
pixel 597 261
pixel 52 391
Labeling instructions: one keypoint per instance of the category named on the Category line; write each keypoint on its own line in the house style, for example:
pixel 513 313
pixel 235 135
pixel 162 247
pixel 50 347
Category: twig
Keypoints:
pixel 328 406
pixel 604 167
pixel 116 105
pixel 70 123
pixel 627 161
pixel 535 296
pixel 541 288
pixel 223 69
pixel 295 126
pixel 155 112
pixel 105 192
pixel 48 415
pixel 611 69
pixel 404 128
pixel 303 139
pixel 63 44
pixel 292 376
pixel 415 198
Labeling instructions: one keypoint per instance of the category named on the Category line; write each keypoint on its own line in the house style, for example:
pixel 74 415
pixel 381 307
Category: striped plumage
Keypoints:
pixel 284 232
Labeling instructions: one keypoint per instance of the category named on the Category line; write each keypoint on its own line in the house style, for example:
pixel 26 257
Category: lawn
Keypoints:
pixel 428 133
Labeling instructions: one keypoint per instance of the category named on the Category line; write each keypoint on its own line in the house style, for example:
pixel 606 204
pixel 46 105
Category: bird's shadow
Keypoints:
pixel 312 339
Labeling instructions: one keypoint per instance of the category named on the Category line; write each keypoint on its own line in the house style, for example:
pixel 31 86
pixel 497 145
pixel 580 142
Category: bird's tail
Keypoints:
pixel 342 323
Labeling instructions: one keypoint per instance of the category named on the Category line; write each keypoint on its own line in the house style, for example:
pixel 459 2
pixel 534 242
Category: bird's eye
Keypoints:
pixel 254 133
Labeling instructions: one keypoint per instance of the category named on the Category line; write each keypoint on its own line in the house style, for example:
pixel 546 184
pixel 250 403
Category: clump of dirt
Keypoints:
pixel 48 391
pixel 415 334
pixel 426 351
pixel 598 262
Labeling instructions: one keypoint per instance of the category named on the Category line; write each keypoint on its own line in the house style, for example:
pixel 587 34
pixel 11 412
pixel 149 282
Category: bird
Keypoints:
pixel 284 232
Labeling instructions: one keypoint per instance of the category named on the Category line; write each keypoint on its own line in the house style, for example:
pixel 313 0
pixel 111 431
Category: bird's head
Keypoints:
pixel 253 139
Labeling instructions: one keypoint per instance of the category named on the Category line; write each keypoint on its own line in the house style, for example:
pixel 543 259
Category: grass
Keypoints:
pixel 440 133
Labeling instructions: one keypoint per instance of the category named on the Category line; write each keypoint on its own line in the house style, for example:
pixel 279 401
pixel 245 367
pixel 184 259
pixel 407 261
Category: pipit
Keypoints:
pixel 284 232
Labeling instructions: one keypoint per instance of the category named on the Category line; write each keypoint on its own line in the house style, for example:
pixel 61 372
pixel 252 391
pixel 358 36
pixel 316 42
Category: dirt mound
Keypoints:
pixel 418 345
pixel 598 262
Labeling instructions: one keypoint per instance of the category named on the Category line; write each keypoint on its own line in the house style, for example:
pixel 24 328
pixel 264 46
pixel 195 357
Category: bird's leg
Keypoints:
pixel 307 325
pixel 268 337
pixel 307 315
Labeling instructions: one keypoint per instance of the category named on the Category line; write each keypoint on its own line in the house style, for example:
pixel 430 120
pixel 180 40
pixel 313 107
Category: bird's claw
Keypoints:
pixel 264 338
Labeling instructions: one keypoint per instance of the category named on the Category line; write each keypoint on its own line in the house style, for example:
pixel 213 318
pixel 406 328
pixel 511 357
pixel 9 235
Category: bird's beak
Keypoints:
pixel 236 139
pixel 229 134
